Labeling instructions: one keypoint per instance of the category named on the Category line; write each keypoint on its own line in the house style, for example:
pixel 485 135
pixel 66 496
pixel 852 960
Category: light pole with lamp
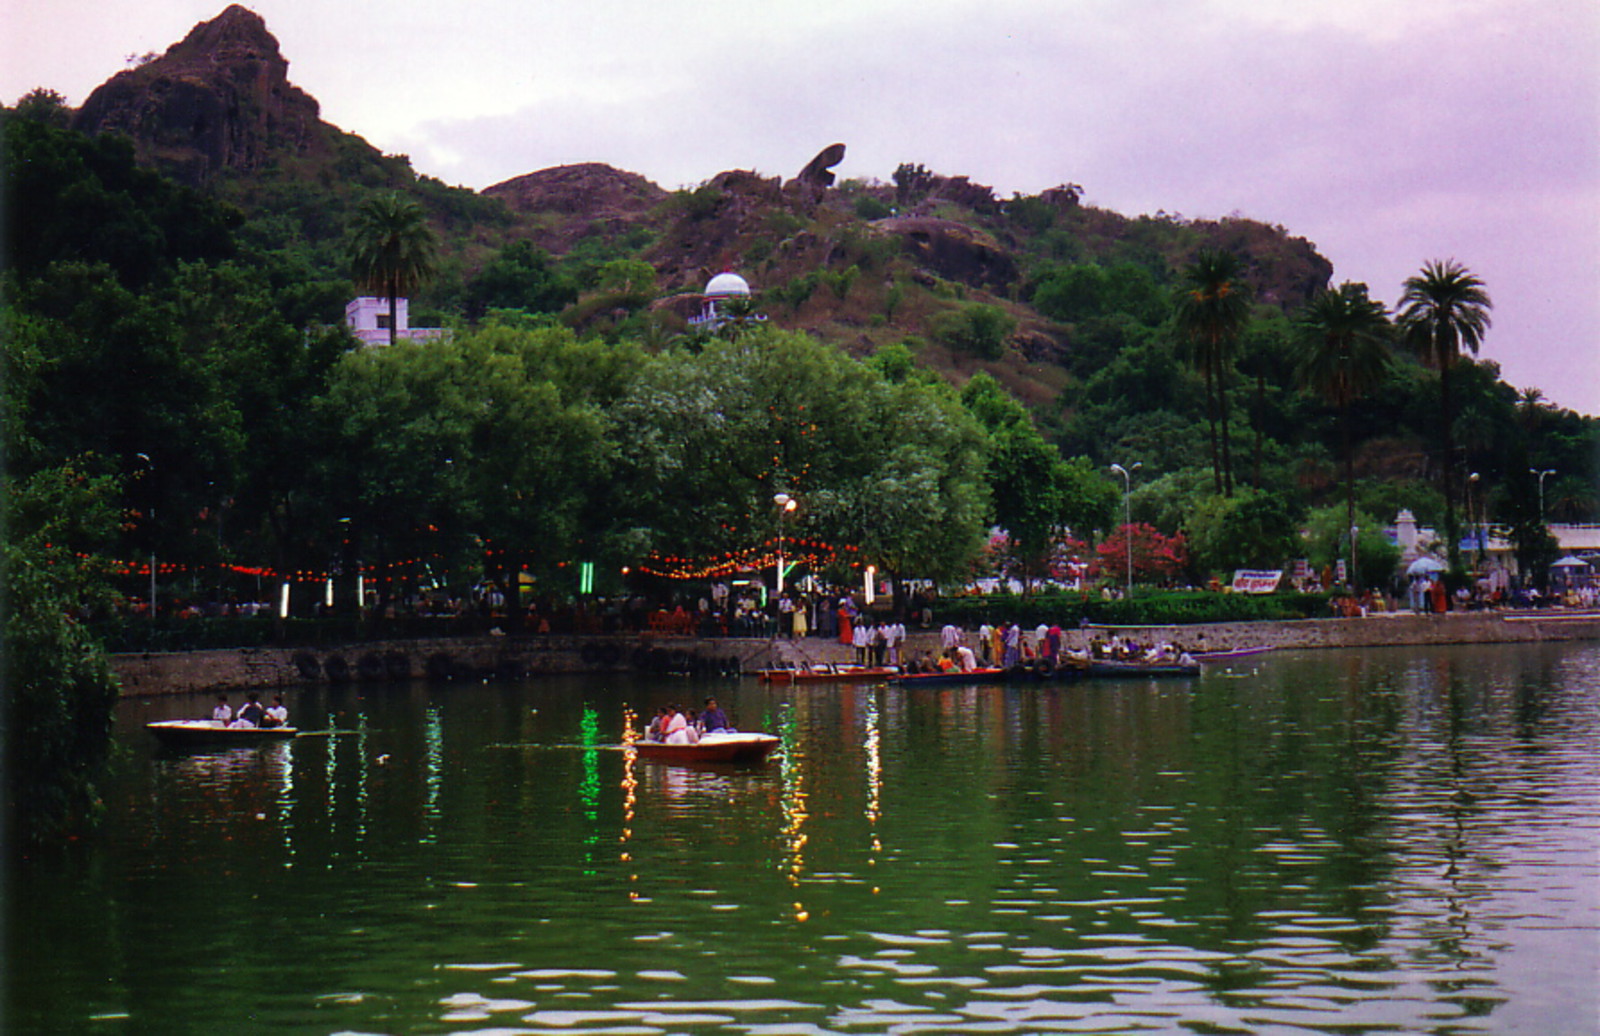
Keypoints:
pixel 150 470
pixel 1127 514
pixel 1541 474
pixel 786 504
pixel 1472 518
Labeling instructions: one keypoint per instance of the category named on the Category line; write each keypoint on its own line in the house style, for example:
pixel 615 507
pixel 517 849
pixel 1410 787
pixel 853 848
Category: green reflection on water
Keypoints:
pixel 1319 841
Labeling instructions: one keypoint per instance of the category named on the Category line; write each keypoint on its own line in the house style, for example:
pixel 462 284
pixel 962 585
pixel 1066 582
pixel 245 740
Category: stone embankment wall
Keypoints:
pixel 518 657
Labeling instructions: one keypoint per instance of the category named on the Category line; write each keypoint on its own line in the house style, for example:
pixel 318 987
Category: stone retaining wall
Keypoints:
pixel 518 657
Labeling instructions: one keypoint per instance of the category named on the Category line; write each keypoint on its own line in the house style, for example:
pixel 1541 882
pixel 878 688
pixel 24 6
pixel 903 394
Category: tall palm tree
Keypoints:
pixel 1443 310
pixel 1343 355
pixel 1213 309
pixel 393 251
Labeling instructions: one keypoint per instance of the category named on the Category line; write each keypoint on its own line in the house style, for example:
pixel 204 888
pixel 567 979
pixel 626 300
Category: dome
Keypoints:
pixel 726 284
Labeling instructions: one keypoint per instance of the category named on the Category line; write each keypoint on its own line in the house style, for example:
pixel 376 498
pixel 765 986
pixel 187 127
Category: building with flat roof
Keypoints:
pixel 367 318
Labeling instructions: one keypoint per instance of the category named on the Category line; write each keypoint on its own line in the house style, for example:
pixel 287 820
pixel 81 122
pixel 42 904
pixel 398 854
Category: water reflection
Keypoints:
pixel 1334 841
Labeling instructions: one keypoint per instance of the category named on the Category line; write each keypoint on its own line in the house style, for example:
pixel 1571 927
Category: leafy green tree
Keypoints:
pixel 520 277
pixel 1037 495
pixel 496 437
pixel 892 469
pixel 59 687
pixel 1377 557
pixel 1344 353
pixel 1212 310
pixel 1250 530
pixel 1443 310
pixel 393 251
pixel 981 329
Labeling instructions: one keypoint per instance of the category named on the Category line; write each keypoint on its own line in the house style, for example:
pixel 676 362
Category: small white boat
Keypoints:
pixel 209 733
pixel 719 746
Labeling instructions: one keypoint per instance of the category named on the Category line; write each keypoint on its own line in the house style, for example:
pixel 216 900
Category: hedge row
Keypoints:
pixel 1165 609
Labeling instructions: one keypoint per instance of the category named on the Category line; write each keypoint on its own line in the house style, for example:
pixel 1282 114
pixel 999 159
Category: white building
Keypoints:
pixel 367 318
pixel 720 290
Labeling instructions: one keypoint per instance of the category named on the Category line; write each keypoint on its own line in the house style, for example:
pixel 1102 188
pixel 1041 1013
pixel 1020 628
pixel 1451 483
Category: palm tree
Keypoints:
pixel 1213 308
pixel 393 251
pixel 1444 308
pixel 1343 355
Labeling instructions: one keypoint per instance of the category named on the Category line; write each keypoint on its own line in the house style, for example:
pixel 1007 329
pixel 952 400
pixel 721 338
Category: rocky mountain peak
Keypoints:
pixel 218 99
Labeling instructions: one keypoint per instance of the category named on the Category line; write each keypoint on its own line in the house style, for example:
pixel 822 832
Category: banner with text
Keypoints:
pixel 1247 581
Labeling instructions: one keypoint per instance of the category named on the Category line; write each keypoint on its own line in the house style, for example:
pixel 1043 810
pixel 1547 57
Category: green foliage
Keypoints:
pixel 867 207
pixel 1075 293
pixel 1034 215
pixel 521 277
pixel 841 280
pixel 1377 559
pixel 894 362
pixel 72 199
pixel 59 688
pixel 700 203
pixel 1250 530
pixel 895 468
pixel 1176 608
pixel 980 329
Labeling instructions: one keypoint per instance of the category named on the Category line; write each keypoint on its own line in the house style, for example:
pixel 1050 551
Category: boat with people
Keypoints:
pixel 943 677
pixel 827 673
pixel 717 746
pixel 210 733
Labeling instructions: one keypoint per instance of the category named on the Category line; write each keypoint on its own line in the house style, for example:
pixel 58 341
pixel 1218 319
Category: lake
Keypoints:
pixel 1396 840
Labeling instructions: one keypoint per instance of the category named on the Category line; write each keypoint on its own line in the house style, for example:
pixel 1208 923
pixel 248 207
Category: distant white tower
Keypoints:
pixel 719 290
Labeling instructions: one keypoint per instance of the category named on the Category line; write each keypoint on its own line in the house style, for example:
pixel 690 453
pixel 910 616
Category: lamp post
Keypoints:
pixel 1127 514
pixel 150 469
pixel 1477 529
pixel 1541 474
pixel 786 503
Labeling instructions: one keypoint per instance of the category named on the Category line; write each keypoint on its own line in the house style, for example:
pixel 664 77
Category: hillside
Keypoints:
pixel 859 264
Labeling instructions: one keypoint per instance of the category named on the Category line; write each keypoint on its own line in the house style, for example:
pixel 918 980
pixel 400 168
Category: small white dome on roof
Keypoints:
pixel 725 284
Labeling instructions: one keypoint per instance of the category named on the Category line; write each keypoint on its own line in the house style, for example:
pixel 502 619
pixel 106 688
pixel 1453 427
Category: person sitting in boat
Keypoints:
pixel 251 713
pixel 966 661
pixel 713 718
pixel 655 731
pixel 278 714
pixel 223 712
pixel 677 731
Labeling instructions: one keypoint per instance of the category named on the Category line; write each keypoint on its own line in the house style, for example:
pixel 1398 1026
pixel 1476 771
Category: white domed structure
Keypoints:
pixel 727 284
pixel 720 290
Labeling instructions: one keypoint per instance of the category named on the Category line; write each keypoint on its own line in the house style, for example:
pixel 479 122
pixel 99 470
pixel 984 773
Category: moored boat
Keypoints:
pixel 716 747
pixel 208 733
pixel 829 674
pixel 951 676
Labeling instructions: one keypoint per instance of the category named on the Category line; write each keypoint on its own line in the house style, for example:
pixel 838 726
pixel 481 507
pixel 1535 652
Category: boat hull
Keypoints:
pixel 832 674
pixel 953 676
pixel 711 748
pixel 208 734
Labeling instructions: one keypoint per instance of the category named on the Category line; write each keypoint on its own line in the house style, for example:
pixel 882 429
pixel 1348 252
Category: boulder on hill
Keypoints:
pixel 590 190
pixel 953 250
pixel 818 172
pixel 218 99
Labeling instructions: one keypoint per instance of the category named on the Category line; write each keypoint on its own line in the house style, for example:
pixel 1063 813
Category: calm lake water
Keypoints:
pixel 1371 841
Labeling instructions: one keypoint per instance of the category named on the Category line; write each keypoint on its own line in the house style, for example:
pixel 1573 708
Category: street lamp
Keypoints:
pixel 150 469
pixel 1127 514
pixel 1541 474
pixel 786 503
pixel 1472 518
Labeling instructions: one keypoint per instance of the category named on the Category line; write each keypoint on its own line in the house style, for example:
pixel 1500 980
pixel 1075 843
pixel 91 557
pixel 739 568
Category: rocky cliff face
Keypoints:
pixel 219 99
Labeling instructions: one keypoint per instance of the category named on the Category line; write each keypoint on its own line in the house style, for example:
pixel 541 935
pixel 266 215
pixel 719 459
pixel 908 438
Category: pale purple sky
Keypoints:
pixel 1387 133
